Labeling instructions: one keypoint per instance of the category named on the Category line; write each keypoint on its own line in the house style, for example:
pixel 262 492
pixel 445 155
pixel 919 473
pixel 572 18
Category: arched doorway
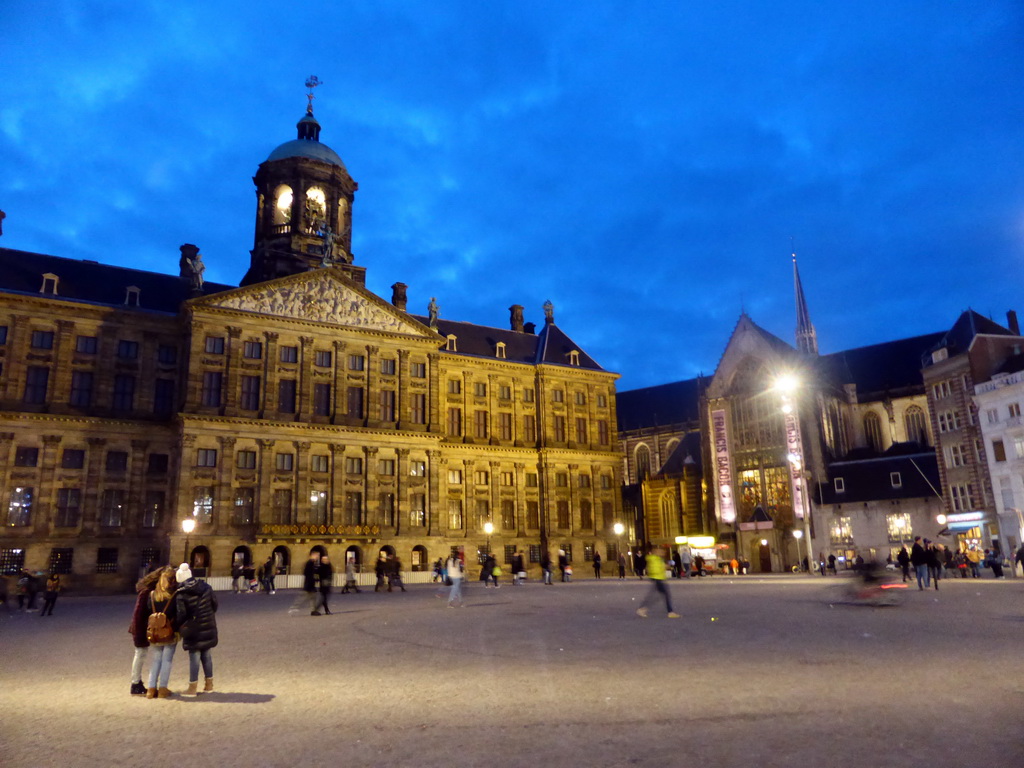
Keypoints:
pixel 419 558
pixel 354 555
pixel 764 553
pixel 386 551
pixel 319 550
pixel 241 556
pixel 282 559
pixel 199 561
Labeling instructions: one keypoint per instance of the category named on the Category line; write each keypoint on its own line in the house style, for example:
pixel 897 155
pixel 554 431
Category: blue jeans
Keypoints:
pixel 160 670
pixel 922 575
pixel 194 657
pixel 456 591
pixel 658 585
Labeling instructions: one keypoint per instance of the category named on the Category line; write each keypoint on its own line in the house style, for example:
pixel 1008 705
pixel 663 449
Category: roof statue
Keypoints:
pixel 191 266
pixel 549 312
pixel 328 248
pixel 432 311
pixel 311 82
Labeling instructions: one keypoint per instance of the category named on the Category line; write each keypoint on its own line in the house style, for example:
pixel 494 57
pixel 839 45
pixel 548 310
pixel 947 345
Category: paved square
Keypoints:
pixel 757 672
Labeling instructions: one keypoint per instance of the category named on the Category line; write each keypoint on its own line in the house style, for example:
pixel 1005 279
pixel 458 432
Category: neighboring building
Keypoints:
pixel 971 352
pixel 998 403
pixel 297 412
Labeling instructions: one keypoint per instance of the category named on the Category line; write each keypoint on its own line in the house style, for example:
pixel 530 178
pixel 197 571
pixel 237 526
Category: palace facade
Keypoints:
pixel 297 412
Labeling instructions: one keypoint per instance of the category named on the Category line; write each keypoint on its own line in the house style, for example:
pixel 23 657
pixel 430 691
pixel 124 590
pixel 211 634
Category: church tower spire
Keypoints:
pixel 806 337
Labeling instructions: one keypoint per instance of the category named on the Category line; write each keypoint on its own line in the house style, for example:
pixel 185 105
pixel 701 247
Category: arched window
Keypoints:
pixel 668 506
pixel 199 561
pixel 354 555
pixel 242 556
pixel 283 197
pixel 873 432
pixel 316 209
pixel 643 462
pixel 419 558
pixel 916 426
pixel 282 559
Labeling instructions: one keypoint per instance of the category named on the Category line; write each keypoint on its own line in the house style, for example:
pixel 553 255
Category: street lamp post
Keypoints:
pixel 798 534
pixel 786 386
pixel 488 529
pixel 187 525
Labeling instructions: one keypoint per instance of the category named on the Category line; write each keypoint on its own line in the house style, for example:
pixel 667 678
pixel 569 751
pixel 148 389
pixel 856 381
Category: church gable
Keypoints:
pixel 751 350
pixel 319 296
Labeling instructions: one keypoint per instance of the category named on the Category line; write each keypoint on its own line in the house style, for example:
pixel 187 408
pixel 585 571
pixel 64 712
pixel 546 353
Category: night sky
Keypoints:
pixel 643 165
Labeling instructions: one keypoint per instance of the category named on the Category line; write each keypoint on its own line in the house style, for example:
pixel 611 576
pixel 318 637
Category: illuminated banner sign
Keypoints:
pixel 795 456
pixel 723 468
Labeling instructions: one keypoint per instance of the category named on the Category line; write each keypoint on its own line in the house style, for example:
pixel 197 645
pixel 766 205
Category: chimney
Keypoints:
pixel 530 328
pixel 1011 322
pixel 517 317
pixel 398 297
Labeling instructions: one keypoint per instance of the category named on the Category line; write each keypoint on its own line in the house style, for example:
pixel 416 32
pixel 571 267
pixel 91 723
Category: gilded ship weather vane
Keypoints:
pixel 311 82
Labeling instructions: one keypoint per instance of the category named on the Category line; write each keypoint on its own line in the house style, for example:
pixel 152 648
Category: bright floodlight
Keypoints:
pixel 488 528
pixel 798 534
pixel 940 519
pixel 619 529
pixel 188 525
pixel 786 382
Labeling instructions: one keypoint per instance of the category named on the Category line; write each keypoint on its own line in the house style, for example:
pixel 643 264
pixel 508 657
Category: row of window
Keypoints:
pixel 898 525
pixel 74 458
pixel 68 509
pixel 999 449
pixel 83 390
pixel 1012 412
pixel 505 393
pixel 127 349
pixel 895 480
pixel 61 560
pixel 322 358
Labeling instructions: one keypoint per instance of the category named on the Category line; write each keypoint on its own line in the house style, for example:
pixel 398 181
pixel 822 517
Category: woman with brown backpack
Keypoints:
pixel 162 633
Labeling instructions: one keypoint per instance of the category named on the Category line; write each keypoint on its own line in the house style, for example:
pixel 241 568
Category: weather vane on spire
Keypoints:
pixel 311 82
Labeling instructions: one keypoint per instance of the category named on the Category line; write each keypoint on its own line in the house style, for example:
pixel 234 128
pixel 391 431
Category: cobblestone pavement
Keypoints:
pixel 758 672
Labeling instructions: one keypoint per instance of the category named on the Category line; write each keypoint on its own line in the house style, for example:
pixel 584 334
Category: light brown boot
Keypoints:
pixel 151 693
pixel 192 689
pixel 163 693
pixel 209 685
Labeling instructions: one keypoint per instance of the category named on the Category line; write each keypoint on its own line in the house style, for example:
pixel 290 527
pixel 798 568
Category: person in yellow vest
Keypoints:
pixel 656 573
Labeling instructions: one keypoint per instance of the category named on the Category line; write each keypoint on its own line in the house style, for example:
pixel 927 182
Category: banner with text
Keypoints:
pixel 723 468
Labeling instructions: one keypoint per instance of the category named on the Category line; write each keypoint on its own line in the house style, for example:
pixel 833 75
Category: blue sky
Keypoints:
pixel 643 165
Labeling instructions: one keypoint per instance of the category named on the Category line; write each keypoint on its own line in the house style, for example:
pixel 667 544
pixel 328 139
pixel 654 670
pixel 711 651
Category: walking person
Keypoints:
pixel 307 600
pixel 380 570
pixel 622 566
pixel 161 600
pixel 685 561
pixel 395 573
pixel 267 577
pixel 53 588
pixel 919 559
pixel 518 569
pixel 487 570
pixel 935 561
pixel 597 565
pixel 454 567
pixel 195 607
pixel 137 628
pixel 563 564
pixel 326 574
pixel 903 558
pixel 973 556
pixel 545 566
pixel 350 577
pixel 656 573
pixel 237 572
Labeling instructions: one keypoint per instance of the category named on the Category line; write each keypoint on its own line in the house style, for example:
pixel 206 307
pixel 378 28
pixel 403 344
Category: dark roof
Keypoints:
pixel 95 283
pixel 686 452
pixel 675 403
pixel 308 148
pixel 958 338
pixel 870 479
pixel 893 366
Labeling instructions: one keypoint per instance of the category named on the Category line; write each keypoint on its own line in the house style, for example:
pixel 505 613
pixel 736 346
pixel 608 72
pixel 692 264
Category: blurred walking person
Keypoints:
pixel 656 573
pixel 350 577
pixel 195 608
pixel 326 574
pixel 50 595
pixel 455 576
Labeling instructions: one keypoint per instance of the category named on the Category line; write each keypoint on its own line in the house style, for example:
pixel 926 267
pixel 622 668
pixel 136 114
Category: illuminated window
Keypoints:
pixel 841 532
pixel 899 527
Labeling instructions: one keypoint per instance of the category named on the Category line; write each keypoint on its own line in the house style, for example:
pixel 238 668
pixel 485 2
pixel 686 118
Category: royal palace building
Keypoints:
pixel 298 411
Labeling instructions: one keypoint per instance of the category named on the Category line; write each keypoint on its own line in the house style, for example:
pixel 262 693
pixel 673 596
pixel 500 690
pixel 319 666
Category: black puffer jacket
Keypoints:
pixel 195 608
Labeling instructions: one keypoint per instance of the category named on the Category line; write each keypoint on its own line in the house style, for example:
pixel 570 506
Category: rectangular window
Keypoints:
pixel 532 515
pixel 483 514
pixel 895 480
pixel 202 505
pixel 454 387
pixel 61 559
pixel 899 528
pixel 281 511
pixel 504 392
pixel 992 414
pixel 418 405
pixel 245 459
pixel 507 479
pixel 322 399
pixel 602 432
pixel 42 339
pixel 112 508
pixel 840 485
pixel 353 465
pixel 559 429
pixel 508 515
pixel 86 345
pixel 286 396
pixel 961 496
pixel 284 462
pixel 211 388
pixel 72 458
pixel 3 337
pixel 562 511
pixel 124 392
pixel 289 354
pixel 353 508
pixel 106 560
pixel 252 350
pixel 418 510
pixel 153 509
pixel 127 350
pixel 602 401
pixel 531 479
pixel 454 422
pixel 529 428
pixel 606 482
pixel 527 395
pixel 387 366
pixel 37 378
pixel 1018 447
pixel 418 468
pixel 480 389
pixel 998 450
pixel 586 515
pixel 418 370
pixel 166 354
pixel 242 509
pixel 163 397
pixel 322 358
pixel 387 405
pixel 584 481
pixel 157 464
pixel 562 479
pixel 215 345
pixel 117 461
pixel 581 398
pixel 581 430
pixel 206 457
pixel 387 509
pixel 25 456
pixel 355 402
pixel 19 507
pixel 386 467
pixel 941 389
pixel 454 477
pixel 504 425
pixel 250 400
pixel 480 424
pixel 957 455
pixel 1014 410
pixel 318 507
pixel 356 362
pixel 558 396
pixel 319 463
pixel 483 477
pixel 69 507
pixel 455 514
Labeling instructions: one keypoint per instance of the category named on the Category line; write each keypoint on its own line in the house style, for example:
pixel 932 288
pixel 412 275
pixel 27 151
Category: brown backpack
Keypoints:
pixel 158 627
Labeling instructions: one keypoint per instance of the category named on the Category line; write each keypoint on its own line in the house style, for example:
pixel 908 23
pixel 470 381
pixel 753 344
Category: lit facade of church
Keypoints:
pixel 295 412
